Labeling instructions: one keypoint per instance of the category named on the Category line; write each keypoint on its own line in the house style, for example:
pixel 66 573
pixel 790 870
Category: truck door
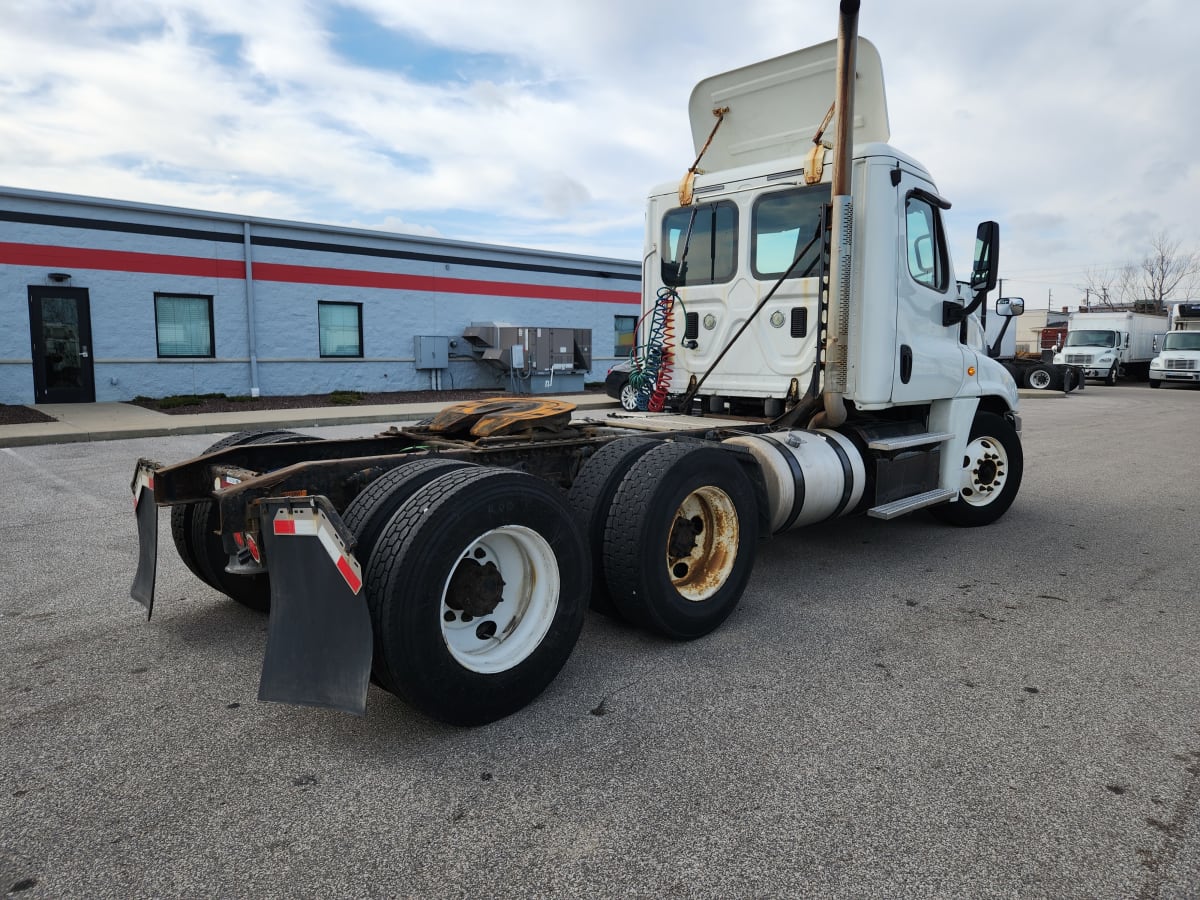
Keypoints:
pixel 930 358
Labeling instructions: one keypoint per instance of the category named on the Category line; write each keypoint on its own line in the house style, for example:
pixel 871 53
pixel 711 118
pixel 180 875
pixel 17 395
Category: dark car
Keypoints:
pixel 617 386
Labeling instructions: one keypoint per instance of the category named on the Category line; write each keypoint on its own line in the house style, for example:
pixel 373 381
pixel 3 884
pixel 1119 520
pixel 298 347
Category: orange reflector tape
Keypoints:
pixel 312 522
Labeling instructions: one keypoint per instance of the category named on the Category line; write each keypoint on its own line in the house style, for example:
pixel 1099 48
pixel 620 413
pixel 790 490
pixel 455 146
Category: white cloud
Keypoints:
pixel 1069 123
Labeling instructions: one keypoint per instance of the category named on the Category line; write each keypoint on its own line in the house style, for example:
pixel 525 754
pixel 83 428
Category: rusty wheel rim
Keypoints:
pixel 703 542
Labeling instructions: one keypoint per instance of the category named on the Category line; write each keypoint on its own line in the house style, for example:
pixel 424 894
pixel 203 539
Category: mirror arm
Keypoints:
pixel 994 350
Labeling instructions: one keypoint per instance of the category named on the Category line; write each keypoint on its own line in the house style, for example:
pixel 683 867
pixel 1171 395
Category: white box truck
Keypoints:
pixel 1178 360
pixel 1111 344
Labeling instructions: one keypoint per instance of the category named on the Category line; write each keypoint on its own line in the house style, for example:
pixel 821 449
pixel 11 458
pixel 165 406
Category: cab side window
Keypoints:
pixel 927 261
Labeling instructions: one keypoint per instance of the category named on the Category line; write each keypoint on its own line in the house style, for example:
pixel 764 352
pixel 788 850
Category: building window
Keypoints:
pixel 184 323
pixel 701 242
pixel 784 224
pixel 623 335
pixel 340 327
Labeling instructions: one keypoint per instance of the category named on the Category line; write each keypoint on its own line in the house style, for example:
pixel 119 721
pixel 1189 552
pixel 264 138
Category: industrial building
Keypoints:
pixel 111 300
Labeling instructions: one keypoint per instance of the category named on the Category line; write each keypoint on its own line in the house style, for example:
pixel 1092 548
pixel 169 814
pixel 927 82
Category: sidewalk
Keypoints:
pixel 117 421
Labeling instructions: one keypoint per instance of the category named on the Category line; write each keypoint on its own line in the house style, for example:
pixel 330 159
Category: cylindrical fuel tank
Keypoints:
pixel 810 475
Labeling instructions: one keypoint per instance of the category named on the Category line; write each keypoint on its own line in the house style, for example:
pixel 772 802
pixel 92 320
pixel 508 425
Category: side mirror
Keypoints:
pixel 1010 306
pixel 987 257
pixel 1154 345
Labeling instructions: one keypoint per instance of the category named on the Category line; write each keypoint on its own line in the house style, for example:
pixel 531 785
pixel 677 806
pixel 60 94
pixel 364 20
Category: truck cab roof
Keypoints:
pixel 777 105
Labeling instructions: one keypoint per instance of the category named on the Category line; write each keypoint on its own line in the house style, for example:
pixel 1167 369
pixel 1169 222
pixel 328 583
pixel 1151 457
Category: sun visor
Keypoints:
pixel 776 106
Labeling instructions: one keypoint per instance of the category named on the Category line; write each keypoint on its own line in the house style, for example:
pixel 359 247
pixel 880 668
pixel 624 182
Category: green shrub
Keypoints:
pixel 345 398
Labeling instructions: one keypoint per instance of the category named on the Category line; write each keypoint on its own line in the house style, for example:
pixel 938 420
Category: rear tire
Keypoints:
pixel 991 475
pixel 1043 378
pixel 591 497
pixel 251 591
pixel 182 514
pixel 368 515
pixel 484 574
pixel 680 539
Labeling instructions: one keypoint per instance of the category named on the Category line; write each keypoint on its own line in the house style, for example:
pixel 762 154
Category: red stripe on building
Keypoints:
pixel 119 261
pixel 165 264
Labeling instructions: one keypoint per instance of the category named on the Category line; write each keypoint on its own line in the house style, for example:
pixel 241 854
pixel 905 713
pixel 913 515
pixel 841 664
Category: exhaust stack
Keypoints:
pixel 837 334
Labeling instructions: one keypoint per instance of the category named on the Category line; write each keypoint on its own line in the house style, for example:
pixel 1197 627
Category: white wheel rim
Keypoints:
pixel 628 397
pixel 508 634
pixel 701 571
pixel 985 470
pixel 1039 379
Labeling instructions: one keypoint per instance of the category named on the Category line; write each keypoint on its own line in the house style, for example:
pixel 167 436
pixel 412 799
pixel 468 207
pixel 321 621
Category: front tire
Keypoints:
pixel 680 539
pixel 484 576
pixel 993 464
pixel 1111 378
pixel 1155 382
pixel 629 399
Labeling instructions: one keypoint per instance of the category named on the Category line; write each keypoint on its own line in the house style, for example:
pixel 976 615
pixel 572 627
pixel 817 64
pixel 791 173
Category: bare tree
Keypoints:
pixel 1098 287
pixel 1164 269
pixel 1149 284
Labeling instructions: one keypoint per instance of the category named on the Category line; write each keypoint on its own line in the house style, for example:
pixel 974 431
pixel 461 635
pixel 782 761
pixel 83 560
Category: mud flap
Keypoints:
pixel 319 640
pixel 147 525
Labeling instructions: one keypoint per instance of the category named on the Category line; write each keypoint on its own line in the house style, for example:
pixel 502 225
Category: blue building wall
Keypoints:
pixel 124 253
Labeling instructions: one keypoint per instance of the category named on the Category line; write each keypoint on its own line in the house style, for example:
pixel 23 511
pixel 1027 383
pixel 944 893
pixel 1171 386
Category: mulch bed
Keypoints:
pixel 22 415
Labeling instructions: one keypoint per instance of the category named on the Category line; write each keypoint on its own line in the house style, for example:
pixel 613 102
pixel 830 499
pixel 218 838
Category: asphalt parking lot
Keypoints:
pixel 897 709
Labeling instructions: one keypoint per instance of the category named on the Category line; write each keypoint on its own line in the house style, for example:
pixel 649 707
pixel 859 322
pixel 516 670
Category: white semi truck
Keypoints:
pixel 807 355
pixel 1178 359
pixel 1112 344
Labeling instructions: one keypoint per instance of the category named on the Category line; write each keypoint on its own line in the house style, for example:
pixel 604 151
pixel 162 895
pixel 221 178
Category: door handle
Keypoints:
pixel 84 352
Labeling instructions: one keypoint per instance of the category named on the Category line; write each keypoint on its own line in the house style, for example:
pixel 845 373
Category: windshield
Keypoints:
pixel 1182 340
pixel 1091 339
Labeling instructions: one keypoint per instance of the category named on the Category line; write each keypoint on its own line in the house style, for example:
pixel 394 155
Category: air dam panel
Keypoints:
pixel 810 476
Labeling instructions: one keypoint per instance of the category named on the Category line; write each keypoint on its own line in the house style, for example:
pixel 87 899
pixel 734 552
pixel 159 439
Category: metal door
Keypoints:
pixel 60 330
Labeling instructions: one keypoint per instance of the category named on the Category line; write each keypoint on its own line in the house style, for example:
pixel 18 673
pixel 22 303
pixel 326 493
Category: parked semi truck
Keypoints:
pixel 1178 359
pixel 1031 372
pixel 805 355
pixel 1110 345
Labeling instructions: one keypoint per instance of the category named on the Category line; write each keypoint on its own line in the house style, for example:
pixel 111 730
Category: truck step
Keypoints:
pixel 908 504
pixel 910 440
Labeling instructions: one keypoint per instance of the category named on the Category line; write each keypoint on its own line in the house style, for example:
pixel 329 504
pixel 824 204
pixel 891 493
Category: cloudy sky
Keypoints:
pixel 535 123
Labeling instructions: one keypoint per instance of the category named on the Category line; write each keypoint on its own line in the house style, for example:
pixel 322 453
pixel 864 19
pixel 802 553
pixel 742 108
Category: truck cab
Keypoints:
pixel 740 242
pixel 1178 358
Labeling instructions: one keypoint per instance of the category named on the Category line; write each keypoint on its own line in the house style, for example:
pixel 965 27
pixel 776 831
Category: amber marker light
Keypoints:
pixel 970 370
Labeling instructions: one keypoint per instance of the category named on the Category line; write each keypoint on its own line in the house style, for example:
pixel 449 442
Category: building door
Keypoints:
pixel 60 328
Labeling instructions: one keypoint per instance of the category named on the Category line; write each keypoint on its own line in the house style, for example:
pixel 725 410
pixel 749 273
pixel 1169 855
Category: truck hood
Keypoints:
pixel 802 84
